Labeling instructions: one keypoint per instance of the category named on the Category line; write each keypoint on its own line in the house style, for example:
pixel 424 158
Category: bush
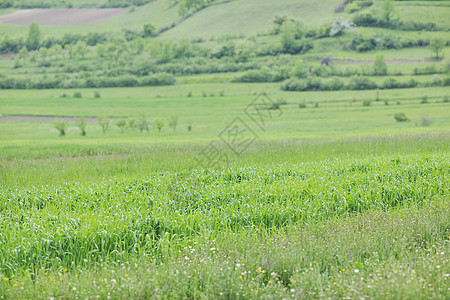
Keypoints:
pixel 158 79
pixel 302 105
pixel 424 100
pixel 255 76
pixel 367 102
pixel 77 95
pixel 104 123
pixel 426 121
pixel 121 124
pixel 97 94
pixel 82 124
pixel 400 117
pixel 334 84
pixel 159 123
pixel 294 85
pixel 379 66
pixel 61 126
pixel 361 83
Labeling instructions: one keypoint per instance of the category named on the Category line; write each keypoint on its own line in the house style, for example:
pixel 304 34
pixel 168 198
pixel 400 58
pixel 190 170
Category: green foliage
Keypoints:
pixel 81 124
pixel 300 70
pixel 173 122
pixel 104 123
pixel 388 10
pixel 379 66
pixel 367 103
pixel 302 104
pixel 61 126
pixel 400 117
pixel 34 37
pixel 77 95
pixel 424 100
pixel 436 46
pixel 426 121
pixel 97 94
pixel 121 124
pixel 159 123
pixel 142 123
pixel 149 30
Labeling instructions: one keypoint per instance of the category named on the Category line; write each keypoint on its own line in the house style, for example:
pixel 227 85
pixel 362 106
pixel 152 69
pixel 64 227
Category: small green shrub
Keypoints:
pixel 104 123
pixel 386 102
pixel 426 121
pixel 121 124
pixel 61 126
pixel 77 95
pixel 82 124
pixel 302 105
pixel 367 102
pixel 445 99
pixel 400 117
pixel 424 100
pixel 189 95
pixel 97 95
pixel 159 124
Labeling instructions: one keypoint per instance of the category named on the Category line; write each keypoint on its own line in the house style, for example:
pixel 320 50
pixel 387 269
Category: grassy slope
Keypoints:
pixel 252 16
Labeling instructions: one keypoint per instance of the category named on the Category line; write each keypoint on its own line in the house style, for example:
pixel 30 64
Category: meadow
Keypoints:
pixel 211 153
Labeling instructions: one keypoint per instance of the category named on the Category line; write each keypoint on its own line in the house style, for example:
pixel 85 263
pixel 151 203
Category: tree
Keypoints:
pixel 436 45
pixel 81 49
pixel 149 30
pixel 379 66
pixel 60 125
pixel 34 37
pixel 82 124
pixel 104 123
pixel 388 10
pixel 159 123
pixel 173 122
pixel 142 123
pixel 121 124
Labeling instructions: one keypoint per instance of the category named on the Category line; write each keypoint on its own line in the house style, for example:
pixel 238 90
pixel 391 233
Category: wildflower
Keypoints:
pixel 126 275
pixel 356 271
pixel 292 290
pixel 293 281
pixel 5 279
pixel 15 284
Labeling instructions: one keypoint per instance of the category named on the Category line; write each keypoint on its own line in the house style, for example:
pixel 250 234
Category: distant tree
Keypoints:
pixel 142 123
pixel 81 49
pixel 55 50
pixel 299 70
pixel 388 10
pixel 82 124
pixel 149 30
pixel 61 126
pixel 34 37
pixel 22 55
pixel 121 124
pixel 44 52
pixel 173 122
pixel 159 123
pixel 436 45
pixel 104 123
pixel 379 65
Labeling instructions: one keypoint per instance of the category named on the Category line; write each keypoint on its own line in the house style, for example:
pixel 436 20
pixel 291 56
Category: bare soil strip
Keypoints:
pixel 43 119
pixel 56 17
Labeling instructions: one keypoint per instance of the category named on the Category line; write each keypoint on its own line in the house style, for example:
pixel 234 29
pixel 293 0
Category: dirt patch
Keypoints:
pixel 43 119
pixel 54 17
pixel 388 61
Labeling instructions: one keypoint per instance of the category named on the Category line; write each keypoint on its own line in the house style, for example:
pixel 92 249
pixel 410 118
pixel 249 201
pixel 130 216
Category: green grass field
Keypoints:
pixel 307 195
